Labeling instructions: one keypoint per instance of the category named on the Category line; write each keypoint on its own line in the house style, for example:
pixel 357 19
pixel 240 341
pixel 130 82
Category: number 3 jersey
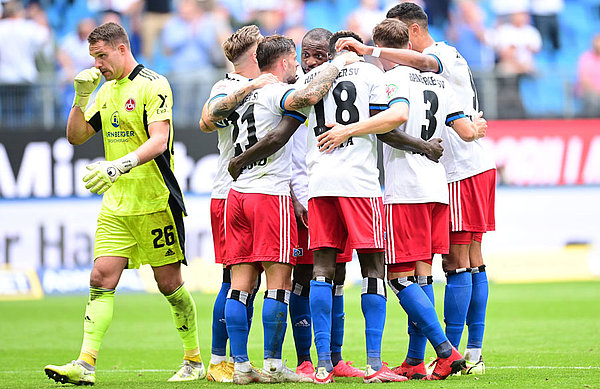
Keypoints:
pixel 351 169
pixel 411 177
pixel 259 113
pixel 222 181
pixel 461 159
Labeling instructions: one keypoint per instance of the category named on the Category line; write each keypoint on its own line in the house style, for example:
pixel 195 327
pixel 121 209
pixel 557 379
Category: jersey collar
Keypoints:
pixel 135 71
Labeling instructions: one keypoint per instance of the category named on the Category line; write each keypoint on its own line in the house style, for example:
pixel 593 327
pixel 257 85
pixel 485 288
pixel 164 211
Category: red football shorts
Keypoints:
pixel 415 232
pixel 464 237
pixel 260 227
pixel 335 222
pixel 305 257
pixel 217 222
pixel 472 203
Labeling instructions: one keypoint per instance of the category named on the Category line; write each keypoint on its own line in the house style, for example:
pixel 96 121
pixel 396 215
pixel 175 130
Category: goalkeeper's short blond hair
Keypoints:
pixel 240 42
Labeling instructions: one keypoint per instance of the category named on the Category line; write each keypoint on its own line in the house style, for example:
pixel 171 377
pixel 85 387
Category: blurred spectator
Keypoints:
pixel 20 41
pixel 545 19
pixel 156 14
pixel 469 35
pixel 74 56
pixel 192 39
pixel 127 13
pixel 364 18
pixel 504 8
pixel 588 85
pixel 268 15
pixel 515 42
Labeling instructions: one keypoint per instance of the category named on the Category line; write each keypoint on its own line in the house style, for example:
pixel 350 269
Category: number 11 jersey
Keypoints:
pixel 351 169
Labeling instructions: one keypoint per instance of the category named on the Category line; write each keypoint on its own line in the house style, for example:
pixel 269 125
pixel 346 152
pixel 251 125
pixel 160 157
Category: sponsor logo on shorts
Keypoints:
pixel 298 252
pixel 169 253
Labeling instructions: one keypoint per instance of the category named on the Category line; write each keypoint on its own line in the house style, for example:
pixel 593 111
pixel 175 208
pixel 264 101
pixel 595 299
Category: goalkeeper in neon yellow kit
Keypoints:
pixel 141 220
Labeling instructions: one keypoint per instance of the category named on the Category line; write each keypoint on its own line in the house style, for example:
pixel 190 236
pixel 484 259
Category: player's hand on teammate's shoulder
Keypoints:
pixel 263 79
pixel 350 57
pixel 435 149
pixel 331 139
pixel 352 44
pixel 234 168
pixel 480 125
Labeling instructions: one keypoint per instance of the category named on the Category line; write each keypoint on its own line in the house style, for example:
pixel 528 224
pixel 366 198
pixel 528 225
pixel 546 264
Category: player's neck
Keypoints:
pixel 130 64
pixel 248 71
pixel 427 41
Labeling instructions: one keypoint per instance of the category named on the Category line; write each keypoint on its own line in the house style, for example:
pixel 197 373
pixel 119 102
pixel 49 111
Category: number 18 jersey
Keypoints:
pixel 410 177
pixel 351 169
pixel 260 112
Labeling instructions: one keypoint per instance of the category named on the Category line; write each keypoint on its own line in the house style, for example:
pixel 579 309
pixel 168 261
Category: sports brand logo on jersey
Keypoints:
pixel 390 90
pixel 129 105
pixel 163 104
pixel 114 119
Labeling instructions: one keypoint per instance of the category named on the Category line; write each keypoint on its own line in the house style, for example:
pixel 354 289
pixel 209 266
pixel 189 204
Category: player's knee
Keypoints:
pixel 166 287
pixel 323 270
pixel 102 279
pixel 371 264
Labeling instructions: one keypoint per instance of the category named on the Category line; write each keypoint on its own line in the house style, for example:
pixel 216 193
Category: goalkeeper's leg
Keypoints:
pixel 104 278
pixel 183 308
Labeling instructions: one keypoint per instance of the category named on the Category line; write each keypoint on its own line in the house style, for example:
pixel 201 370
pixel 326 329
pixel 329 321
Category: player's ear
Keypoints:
pixel 409 45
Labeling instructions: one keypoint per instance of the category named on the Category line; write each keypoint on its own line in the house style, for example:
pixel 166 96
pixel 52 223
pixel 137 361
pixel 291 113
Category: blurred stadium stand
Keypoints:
pixel 549 92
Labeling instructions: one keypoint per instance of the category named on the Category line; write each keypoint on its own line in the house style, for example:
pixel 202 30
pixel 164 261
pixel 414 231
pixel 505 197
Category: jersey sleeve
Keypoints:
pixel 92 114
pixel 454 108
pixel 278 94
pixel 378 99
pixel 397 87
pixel 159 101
pixel 442 55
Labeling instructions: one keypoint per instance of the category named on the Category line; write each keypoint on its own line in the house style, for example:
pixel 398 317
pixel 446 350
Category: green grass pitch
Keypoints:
pixel 537 335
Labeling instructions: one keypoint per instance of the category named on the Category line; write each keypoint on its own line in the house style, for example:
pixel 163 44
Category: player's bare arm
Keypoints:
pixel 378 124
pixel 268 145
pixel 221 108
pixel 78 129
pixel 400 140
pixel 299 210
pixel 407 57
pixel 318 87
pixel 469 130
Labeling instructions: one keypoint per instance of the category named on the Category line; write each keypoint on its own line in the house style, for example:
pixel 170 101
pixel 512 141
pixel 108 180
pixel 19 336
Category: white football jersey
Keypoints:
pixel 222 181
pixel 411 177
pixel 351 169
pixel 299 171
pixel 259 113
pixel 461 159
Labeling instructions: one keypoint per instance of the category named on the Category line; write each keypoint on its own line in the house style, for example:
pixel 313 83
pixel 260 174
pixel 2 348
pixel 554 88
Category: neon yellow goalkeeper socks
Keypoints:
pixel 183 309
pixel 98 316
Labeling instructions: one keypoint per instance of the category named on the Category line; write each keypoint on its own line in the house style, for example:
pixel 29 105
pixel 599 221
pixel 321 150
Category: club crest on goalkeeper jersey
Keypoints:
pixel 122 111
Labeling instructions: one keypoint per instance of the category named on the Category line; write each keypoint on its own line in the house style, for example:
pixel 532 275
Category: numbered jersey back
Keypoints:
pixel 409 177
pixel 222 181
pixel 261 112
pixel 461 159
pixel 351 169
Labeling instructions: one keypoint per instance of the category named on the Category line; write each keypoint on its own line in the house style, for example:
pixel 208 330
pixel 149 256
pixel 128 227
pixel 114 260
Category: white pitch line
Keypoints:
pixel 172 370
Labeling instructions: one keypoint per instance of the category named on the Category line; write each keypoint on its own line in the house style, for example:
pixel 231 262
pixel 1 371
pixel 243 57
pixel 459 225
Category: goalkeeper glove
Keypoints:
pixel 103 174
pixel 85 82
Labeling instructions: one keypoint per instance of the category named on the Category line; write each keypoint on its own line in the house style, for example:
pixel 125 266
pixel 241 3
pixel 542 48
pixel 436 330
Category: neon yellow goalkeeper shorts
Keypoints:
pixel 155 239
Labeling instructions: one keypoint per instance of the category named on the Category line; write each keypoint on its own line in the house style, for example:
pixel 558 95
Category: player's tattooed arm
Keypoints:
pixel 407 57
pixel 219 109
pixel 266 146
pixel 318 87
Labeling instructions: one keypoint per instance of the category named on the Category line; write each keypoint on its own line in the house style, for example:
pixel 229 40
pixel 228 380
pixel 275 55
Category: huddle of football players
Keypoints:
pixel 297 191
